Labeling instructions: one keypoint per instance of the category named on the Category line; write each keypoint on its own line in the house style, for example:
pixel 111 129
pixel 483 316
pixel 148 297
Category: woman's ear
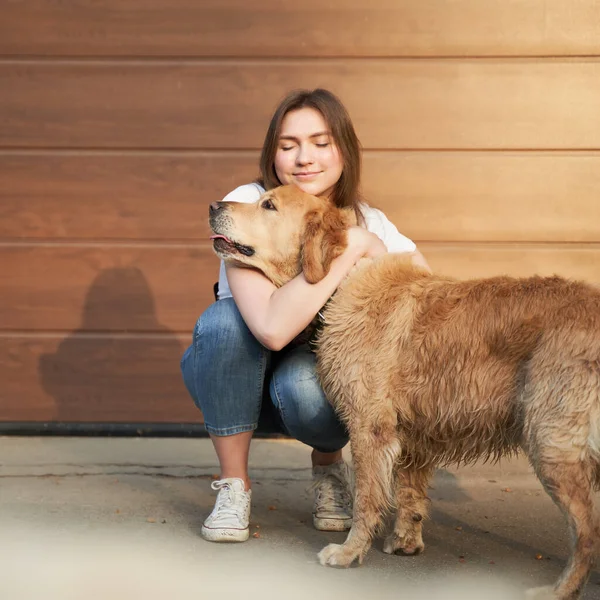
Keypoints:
pixel 323 240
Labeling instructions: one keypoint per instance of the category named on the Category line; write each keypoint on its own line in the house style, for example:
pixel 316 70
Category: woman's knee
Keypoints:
pixel 220 323
pixel 225 360
pixel 221 337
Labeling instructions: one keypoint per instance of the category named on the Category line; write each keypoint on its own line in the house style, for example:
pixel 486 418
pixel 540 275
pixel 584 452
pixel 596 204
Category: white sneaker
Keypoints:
pixel 229 520
pixel 333 497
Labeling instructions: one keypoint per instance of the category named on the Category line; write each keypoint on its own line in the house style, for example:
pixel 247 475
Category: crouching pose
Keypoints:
pixel 245 364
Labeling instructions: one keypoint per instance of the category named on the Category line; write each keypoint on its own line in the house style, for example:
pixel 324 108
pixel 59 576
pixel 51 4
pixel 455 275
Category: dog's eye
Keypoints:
pixel 268 205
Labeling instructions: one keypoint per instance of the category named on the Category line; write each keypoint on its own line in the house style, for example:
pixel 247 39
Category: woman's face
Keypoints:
pixel 306 153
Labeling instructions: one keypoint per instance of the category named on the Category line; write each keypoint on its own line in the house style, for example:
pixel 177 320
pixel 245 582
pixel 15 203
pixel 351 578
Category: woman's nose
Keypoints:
pixel 305 156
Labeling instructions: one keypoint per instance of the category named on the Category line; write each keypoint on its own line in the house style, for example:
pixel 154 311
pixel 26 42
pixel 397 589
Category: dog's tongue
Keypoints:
pixel 221 237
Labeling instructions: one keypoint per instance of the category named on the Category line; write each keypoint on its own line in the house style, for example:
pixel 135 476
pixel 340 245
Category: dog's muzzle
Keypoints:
pixel 218 221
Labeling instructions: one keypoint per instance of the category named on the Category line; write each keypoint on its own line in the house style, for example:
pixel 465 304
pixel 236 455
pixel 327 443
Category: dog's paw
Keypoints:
pixel 409 545
pixel 339 555
pixel 541 593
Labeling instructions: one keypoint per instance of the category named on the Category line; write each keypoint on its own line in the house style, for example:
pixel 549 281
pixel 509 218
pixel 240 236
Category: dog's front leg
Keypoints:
pixel 373 457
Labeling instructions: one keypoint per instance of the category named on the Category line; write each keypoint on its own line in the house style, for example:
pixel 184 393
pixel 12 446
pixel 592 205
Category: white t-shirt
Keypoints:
pixel 376 222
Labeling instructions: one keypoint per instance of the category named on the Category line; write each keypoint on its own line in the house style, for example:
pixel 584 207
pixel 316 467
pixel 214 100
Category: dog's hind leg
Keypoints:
pixel 570 486
pixel 374 452
pixel 560 436
pixel 412 506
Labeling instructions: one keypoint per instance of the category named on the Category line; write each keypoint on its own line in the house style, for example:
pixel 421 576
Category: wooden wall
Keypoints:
pixel 121 120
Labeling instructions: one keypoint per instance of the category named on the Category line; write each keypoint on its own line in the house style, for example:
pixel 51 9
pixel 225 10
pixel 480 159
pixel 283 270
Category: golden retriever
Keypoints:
pixel 426 371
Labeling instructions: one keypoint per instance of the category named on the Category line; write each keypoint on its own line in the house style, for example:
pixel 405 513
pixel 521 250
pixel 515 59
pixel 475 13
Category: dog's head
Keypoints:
pixel 283 234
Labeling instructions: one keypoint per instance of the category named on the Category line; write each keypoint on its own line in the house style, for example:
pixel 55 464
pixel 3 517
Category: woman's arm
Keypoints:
pixel 276 316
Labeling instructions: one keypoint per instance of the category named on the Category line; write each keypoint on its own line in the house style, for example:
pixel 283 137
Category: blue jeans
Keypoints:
pixel 237 383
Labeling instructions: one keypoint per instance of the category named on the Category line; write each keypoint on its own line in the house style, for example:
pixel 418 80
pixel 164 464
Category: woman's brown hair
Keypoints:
pixel 346 192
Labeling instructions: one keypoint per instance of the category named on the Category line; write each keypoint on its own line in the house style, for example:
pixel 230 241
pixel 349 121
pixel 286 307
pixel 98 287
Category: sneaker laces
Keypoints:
pixel 227 504
pixel 332 494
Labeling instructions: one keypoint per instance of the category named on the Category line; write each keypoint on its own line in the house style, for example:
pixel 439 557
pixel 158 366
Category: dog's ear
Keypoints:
pixel 323 240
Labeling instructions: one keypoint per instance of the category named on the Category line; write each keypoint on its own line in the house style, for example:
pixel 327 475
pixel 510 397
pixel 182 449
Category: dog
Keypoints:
pixel 427 371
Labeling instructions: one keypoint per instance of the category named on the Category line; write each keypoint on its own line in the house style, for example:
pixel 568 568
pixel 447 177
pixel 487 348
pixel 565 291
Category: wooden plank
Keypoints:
pixel 98 196
pixel 435 196
pixel 399 104
pixel 101 288
pixel 81 378
pixel 518 260
pixel 146 288
pixel 310 28
pixel 488 196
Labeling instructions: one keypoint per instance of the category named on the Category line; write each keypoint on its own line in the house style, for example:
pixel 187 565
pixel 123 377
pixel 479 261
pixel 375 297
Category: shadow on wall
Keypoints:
pixel 122 365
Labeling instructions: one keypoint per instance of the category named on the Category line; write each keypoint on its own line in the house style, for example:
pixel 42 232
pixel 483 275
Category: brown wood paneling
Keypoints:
pixel 78 377
pixel 163 289
pixel 73 195
pixel 519 260
pixel 121 288
pixel 488 196
pixel 400 104
pixel 310 28
pixel 436 196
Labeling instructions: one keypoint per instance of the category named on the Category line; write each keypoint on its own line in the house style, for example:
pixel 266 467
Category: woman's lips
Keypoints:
pixel 306 176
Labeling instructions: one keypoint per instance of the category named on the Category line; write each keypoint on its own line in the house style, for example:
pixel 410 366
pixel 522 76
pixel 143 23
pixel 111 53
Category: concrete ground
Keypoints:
pixel 120 518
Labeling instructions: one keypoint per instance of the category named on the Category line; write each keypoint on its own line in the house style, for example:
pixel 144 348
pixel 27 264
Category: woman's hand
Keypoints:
pixel 363 243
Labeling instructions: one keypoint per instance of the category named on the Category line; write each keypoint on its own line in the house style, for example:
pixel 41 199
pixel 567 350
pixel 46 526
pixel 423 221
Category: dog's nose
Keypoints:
pixel 215 207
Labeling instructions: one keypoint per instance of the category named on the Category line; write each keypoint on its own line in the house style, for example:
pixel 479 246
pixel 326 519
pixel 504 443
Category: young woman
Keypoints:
pixel 240 363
